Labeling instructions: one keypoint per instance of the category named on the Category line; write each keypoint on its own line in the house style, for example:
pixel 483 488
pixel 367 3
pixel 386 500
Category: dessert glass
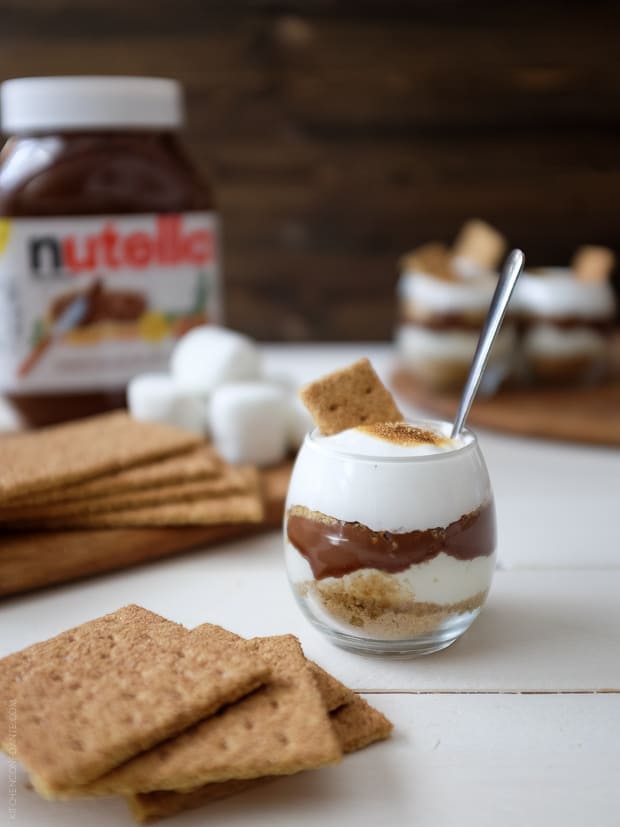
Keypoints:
pixel 567 326
pixel 439 328
pixel 390 554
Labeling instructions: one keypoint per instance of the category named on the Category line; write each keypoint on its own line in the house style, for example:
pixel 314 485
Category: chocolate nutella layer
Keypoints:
pixel 603 326
pixel 334 547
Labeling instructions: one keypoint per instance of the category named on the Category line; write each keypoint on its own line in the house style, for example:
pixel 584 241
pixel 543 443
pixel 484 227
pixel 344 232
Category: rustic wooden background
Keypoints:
pixel 339 134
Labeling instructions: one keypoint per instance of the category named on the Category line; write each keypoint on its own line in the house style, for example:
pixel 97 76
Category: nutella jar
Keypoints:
pixel 108 240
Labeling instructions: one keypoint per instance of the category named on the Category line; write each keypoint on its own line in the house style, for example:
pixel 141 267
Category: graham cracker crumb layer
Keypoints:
pixel 309 514
pixel 379 605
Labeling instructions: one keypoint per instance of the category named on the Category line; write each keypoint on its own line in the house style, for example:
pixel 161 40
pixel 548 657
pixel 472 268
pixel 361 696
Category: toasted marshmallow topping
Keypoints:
pixel 393 439
pixel 441 296
pixel 356 476
pixel 555 292
pixel 402 433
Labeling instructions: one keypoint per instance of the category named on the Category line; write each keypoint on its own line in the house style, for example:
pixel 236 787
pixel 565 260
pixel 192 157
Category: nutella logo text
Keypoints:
pixel 111 249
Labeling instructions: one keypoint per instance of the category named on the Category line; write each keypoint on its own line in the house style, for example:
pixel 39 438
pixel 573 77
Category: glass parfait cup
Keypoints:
pixel 390 554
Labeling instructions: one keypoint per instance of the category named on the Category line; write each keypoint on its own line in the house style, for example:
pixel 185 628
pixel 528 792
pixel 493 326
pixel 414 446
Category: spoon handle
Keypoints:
pixel 497 310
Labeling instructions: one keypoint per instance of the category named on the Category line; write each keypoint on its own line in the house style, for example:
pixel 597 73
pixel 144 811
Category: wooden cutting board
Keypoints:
pixel 586 415
pixel 32 561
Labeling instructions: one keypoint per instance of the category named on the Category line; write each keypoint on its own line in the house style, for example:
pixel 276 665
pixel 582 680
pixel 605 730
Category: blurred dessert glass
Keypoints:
pixel 444 296
pixel 567 319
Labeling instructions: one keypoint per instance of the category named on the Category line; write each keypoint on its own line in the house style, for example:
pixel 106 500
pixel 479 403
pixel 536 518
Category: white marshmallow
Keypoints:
pixel 281 380
pixel 10 419
pixel 299 422
pixel 249 422
pixel 210 356
pixel 156 397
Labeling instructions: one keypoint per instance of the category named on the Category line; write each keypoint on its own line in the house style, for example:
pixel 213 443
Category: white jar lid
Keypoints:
pixel 71 103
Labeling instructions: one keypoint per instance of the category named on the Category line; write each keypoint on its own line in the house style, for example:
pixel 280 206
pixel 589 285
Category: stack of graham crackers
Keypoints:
pixel 132 704
pixel 110 491
pixel 112 471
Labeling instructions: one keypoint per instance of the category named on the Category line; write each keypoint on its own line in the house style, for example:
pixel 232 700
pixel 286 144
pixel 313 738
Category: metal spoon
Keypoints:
pixel 506 284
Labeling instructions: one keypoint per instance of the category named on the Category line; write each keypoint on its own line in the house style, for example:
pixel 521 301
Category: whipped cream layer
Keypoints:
pixel 354 476
pixel 557 293
pixel 398 440
pixel 442 580
pixel 419 344
pixel 467 268
pixel 549 340
pixel 445 297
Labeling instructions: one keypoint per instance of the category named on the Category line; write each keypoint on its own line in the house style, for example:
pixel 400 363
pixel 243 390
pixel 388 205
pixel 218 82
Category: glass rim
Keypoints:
pixel 312 441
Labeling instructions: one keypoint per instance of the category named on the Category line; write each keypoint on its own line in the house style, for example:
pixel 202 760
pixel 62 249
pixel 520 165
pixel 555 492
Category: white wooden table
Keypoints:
pixel 517 724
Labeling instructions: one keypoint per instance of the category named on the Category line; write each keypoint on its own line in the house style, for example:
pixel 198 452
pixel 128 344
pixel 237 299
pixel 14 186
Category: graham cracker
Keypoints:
pixel 480 242
pixel 31 560
pixel 274 484
pixel 348 398
pixel 593 263
pixel 163 803
pixel 197 464
pixel 334 693
pixel 280 729
pixel 433 258
pixel 212 510
pixel 231 480
pixel 63 454
pixel 94 696
pixel 356 725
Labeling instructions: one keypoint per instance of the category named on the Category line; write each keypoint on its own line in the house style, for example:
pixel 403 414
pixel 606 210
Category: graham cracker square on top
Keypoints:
pixel 481 243
pixel 94 696
pixel 348 398
pixel 593 263
pixel 433 258
pixel 281 729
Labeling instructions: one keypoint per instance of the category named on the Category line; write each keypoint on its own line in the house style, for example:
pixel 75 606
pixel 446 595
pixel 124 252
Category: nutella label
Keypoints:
pixel 86 303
